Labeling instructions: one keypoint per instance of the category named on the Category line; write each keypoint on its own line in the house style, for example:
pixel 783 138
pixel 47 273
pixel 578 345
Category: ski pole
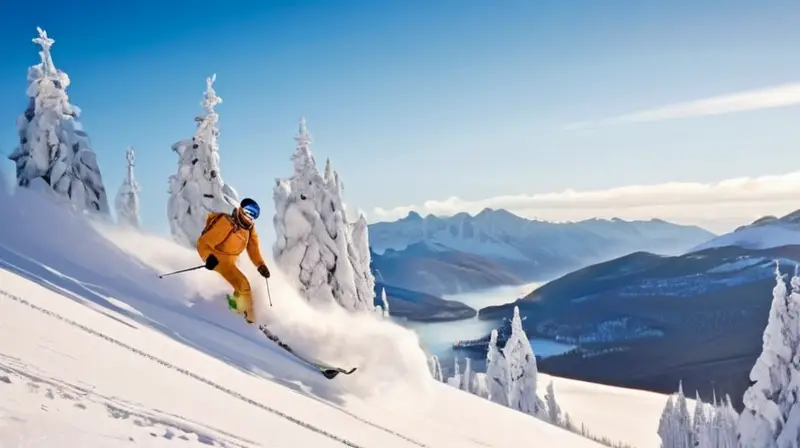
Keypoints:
pixel 269 294
pixel 182 270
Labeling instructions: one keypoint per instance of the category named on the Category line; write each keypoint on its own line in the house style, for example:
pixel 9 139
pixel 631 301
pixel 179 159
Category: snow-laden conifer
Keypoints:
pixel 683 420
pixel 467 376
pixel 314 245
pixel 384 303
pixel 197 188
pixel 553 409
pixel 455 380
pixel 435 367
pixel 360 258
pixel 497 374
pixel 666 424
pixel 480 385
pixel 522 370
pixel 127 200
pixel 54 149
pixel 770 417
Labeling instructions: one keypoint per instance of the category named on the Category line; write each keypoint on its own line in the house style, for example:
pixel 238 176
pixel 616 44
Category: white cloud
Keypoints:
pixel 718 206
pixel 766 98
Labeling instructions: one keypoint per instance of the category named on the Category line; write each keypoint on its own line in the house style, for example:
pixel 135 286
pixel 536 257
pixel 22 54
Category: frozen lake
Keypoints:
pixel 438 337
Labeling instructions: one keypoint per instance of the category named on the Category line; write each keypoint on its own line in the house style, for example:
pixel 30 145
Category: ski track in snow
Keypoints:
pixel 204 380
pixel 150 421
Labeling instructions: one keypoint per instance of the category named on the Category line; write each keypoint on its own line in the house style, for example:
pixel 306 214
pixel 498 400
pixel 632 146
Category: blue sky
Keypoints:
pixel 419 101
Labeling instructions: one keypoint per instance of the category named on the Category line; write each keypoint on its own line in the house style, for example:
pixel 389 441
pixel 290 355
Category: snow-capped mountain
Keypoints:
pixel 495 247
pixel 763 233
pixel 650 321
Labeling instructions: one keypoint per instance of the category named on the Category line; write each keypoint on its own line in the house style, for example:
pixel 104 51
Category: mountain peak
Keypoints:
pixel 413 216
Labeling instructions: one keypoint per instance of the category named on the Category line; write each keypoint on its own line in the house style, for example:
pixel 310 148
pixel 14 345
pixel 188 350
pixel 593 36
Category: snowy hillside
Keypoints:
pixel 495 247
pixel 763 233
pixel 95 350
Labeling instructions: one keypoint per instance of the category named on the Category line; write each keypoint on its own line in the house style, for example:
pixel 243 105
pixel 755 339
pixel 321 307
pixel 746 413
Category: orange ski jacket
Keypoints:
pixel 227 236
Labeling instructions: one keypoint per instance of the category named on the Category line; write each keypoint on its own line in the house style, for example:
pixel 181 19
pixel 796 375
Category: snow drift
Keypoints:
pixel 118 265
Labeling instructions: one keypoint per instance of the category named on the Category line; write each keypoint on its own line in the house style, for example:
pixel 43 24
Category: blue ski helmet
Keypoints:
pixel 250 208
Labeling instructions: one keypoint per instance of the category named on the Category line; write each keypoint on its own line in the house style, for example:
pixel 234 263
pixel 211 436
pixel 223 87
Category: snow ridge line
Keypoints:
pixel 183 371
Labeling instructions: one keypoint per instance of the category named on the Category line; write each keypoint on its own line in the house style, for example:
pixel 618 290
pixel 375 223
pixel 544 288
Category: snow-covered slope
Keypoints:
pixel 764 233
pixel 622 415
pixel 96 351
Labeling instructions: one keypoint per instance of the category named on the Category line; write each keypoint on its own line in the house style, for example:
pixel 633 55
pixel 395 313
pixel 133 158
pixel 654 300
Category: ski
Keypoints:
pixel 328 371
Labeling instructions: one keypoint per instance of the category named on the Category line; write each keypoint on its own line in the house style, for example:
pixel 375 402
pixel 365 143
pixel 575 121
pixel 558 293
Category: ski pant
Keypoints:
pixel 241 286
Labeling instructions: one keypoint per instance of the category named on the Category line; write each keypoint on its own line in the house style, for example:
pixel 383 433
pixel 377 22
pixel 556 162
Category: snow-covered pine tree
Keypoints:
pixel 728 427
pixel 683 420
pixel 127 200
pixel 553 409
pixel 455 380
pixel 790 433
pixel 769 400
pixel 701 437
pixel 435 367
pixel 467 376
pixel 54 149
pixel 522 370
pixel 497 372
pixel 197 188
pixel 713 423
pixel 385 303
pixel 480 385
pixel 675 424
pixel 666 424
pixel 360 258
pixel 568 423
pixel 313 245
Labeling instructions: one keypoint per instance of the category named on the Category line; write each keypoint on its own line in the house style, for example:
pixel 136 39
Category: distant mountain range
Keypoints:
pixel 649 321
pixel 421 307
pixel 763 233
pixel 443 256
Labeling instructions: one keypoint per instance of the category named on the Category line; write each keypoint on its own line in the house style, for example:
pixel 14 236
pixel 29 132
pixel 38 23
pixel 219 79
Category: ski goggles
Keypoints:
pixel 251 211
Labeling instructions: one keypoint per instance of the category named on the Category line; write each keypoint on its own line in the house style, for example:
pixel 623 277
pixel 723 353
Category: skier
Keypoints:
pixel 225 236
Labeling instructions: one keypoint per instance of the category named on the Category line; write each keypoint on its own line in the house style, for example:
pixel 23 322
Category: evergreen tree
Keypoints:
pixel 675 425
pixel 480 385
pixel 455 380
pixel 54 149
pixel 553 409
pixel 666 424
pixel 466 377
pixel 497 372
pixel 683 421
pixel 522 370
pixel 315 246
pixel 197 189
pixel 700 425
pixel 385 303
pixel 127 201
pixel 435 368
pixel 360 258
pixel 728 428
pixel 568 424
pixel 770 401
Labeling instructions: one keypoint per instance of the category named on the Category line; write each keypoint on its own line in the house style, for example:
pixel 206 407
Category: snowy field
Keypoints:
pixel 623 415
pixel 96 351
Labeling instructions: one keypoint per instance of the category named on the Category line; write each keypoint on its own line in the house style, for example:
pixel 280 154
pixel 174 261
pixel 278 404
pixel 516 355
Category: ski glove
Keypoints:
pixel 211 262
pixel 264 271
